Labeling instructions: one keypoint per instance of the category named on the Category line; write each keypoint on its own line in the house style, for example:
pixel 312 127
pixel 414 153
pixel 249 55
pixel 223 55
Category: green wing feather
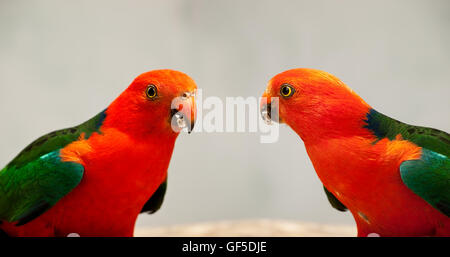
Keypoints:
pixel 334 201
pixel 37 178
pixel 385 127
pixel 57 140
pixel 30 190
pixel 156 200
pixel 429 176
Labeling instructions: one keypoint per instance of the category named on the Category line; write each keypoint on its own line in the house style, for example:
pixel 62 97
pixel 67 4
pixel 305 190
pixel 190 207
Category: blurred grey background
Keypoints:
pixel 62 62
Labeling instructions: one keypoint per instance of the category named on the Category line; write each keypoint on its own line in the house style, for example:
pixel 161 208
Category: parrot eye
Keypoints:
pixel 287 90
pixel 151 91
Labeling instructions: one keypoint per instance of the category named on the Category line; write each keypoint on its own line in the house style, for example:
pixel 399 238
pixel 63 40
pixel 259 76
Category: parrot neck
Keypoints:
pixel 334 119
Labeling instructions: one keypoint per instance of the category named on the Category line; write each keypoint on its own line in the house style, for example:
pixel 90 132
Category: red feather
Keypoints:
pixel 124 163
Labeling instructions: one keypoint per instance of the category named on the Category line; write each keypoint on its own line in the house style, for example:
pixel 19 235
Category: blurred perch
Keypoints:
pixel 262 227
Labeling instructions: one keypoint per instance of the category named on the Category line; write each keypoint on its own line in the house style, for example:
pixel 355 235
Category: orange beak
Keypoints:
pixel 184 112
pixel 269 108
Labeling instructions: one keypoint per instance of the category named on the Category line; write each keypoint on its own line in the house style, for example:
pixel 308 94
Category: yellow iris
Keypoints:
pixel 286 90
pixel 151 91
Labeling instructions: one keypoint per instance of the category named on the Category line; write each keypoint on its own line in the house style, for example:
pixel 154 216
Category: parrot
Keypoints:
pixel 393 177
pixel 94 179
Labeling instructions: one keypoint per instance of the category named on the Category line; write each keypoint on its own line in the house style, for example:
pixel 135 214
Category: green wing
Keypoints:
pixel 28 191
pixel 429 177
pixel 385 127
pixel 57 140
pixel 156 200
pixel 334 201
pixel 37 178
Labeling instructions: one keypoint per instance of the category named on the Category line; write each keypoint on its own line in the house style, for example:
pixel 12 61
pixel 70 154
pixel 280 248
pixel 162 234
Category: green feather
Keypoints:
pixel 156 200
pixel 385 127
pixel 36 186
pixel 37 178
pixel 429 177
pixel 334 201
pixel 57 140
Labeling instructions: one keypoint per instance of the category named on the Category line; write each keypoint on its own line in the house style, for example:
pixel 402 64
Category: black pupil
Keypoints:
pixel 151 91
pixel 286 90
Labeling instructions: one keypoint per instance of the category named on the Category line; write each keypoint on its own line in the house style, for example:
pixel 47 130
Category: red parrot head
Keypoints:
pixel 314 103
pixel 157 102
